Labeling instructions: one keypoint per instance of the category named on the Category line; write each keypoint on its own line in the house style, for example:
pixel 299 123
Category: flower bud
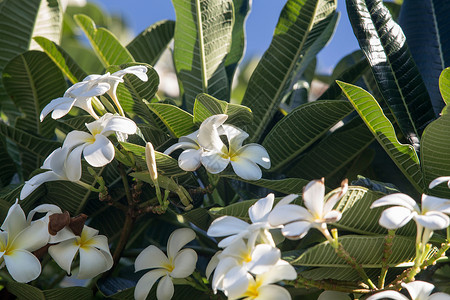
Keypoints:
pixel 151 161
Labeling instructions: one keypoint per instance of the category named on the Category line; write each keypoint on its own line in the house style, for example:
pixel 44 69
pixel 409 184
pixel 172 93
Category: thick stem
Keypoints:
pixel 347 287
pixel 387 251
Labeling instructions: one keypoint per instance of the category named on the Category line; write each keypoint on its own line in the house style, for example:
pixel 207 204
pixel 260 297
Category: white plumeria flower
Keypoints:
pixel 50 209
pixel 96 148
pixel 17 240
pixel 177 264
pixel 432 215
pixel 440 180
pixel 235 228
pixel 261 287
pixel 189 159
pixel 95 257
pixel 216 155
pixel 56 164
pixel 418 290
pixel 297 220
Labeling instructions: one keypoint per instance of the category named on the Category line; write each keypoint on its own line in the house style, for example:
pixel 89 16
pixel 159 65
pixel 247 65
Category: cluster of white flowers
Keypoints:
pixel 205 147
pixel 64 163
pixel 20 236
pixel 250 263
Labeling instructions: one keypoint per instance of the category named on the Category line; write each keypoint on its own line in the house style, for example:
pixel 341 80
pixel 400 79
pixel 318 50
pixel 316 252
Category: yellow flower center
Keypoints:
pixel 169 267
pixel 252 290
pixel 84 242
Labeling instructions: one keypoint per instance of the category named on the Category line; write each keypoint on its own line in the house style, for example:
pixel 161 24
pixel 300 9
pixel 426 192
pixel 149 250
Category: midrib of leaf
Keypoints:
pixel 33 90
pixel 438 36
pixel 262 123
pixel 201 46
pixel 92 40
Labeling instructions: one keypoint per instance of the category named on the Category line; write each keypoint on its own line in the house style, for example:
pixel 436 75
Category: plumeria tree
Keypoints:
pixel 123 179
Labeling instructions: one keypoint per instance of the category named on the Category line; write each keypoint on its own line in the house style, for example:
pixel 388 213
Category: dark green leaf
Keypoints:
pixel 285 186
pixel 178 121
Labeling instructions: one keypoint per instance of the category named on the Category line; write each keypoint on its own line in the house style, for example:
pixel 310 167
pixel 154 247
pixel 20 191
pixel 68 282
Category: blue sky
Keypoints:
pixel 140 14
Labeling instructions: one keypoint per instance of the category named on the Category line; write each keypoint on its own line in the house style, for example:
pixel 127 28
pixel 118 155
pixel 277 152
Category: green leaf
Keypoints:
pixel 241 11
pixel 148 46
pixel 285 186
pixel 434 154
pixel 426 27
pixel 201 42
pixel 165 164
pixel 301 128
pixel 105 44
pixel 7 165
pixel 384 45
pixel 404 156
pixel 62 59
pixel 16 27
pixel 134 93
pixel 48 22
pixel 444 85
pixel 344 274
pixel 206 106
pixel 368 252
pixel 293 36
pixel 32 80
pixel 76 123
pixel 334 152
pixel 27 292
pixel 177 120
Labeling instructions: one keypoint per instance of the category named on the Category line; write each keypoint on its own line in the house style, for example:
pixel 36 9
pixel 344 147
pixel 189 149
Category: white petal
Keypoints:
pixel 96 90
pixel 121 124
pixel 388 295
pixel 326 295
pixel 439 296
pixel 296 230
pixel 100 153
pixel 100 242
pixel 433 220
pixel 165 289
pixel 22 265
pixel 263 258
pixel 332 216
pixel 62 235
pixel 419 289
pixel 73 163
pixel 397 199
pixel 395 217
pixel 313 194
pixel 261 209
pixel 85 103
pixel 213 162
pixel 434 203
pixel 288 199
pixel 226 225
pixel 208 136
pixel 178 239
pixel 64 253
pixel 150 257
pixel 43 208
pixel 235 135
pixel 281 271
pixel 256 153
pixel 283 214
pixel 181 145
pixel 61 107
pixel 139 71
pixel 223 267
pixel 37 181
pixel 246 169
pixel 236 281
pixel 32 237
pixel 15 221
pixel 331 202
pixel 76 138
pixel 270 292
pixel 145 284
pixel 438 181
pixel 189 160
pixel 184 263
pixel 88 233
pixel 213 262
pixel 92 263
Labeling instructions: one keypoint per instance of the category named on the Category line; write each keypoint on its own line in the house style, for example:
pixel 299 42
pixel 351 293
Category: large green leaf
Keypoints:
pixel 148 46
pixel 206 106
pixel 28 292
pixel 384 44
pixel 16 26
pixel 301 128
pixel 241 11
pixel 404 156
pixel 62 59
pixel 292 38
pixel 32 80
pixel 434 153
pixel 48 22
pixel 426 26
pixel 334 152
pixel 285 186
pixel 368 252
pixel 201 42
pixel 105 44
pixel 178 121
pixel 444 85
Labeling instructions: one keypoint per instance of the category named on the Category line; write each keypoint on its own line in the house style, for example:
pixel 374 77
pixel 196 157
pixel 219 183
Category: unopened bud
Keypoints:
pixel 151 161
